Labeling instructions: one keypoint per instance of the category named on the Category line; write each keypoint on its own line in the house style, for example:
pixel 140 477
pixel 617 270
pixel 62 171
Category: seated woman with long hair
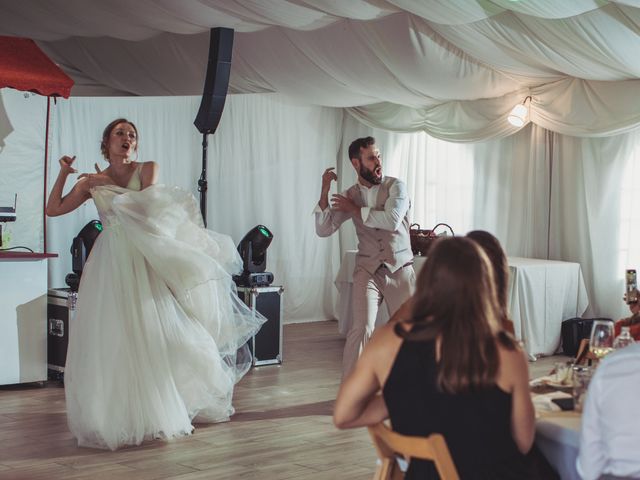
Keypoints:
pixel 450 369
pixel 498 259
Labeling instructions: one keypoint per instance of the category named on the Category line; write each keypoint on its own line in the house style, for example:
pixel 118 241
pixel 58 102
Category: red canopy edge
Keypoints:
pixel 24 66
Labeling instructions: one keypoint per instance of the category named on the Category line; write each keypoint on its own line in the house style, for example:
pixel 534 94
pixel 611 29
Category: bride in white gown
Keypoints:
pixel 156 338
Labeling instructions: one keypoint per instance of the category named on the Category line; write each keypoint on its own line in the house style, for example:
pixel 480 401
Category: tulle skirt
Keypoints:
pixel 159 338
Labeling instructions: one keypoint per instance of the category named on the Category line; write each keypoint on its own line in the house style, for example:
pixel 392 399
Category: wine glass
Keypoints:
pixel 601 341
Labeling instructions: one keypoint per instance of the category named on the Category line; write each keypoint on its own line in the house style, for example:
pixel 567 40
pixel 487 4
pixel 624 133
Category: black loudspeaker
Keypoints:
pixel 217 81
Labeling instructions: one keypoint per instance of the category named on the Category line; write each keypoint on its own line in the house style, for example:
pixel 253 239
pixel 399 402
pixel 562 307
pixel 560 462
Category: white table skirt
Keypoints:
pixel 542 293
pixel 558 438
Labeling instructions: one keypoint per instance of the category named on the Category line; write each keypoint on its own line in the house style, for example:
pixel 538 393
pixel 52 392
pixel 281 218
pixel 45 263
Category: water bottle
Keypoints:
pixel 623 339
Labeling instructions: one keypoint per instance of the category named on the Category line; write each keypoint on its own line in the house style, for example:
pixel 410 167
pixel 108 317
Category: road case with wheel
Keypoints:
pixel 266 345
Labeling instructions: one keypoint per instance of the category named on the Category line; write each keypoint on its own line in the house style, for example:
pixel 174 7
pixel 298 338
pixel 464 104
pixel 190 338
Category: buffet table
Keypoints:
pixel 542 293
pixel 23 317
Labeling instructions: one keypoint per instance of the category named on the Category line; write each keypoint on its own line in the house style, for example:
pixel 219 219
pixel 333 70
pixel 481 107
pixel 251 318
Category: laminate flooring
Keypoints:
pixel 282 428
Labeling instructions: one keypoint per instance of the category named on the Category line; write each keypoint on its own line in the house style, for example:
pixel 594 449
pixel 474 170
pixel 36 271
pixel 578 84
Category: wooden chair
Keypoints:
pixel 389 444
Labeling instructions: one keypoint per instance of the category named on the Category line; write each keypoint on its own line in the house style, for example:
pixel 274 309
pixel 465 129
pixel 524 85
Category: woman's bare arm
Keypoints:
pixel 359 400
pixel 59 205
pixel 522 411
pixel 355 402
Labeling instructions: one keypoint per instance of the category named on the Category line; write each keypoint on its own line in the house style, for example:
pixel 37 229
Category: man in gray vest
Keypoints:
pixel 379 207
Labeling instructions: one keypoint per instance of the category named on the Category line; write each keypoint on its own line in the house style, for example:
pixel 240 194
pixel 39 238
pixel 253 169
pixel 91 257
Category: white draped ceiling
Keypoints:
pixel 453 69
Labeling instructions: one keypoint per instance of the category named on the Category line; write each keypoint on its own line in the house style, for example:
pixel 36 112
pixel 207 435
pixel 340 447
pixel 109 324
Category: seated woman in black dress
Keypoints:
pixel 450 369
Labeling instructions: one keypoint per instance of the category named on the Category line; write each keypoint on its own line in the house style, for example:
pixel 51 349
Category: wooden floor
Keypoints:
pixel 282 428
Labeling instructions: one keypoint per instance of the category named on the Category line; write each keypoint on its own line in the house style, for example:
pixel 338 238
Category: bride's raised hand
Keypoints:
pixel 65 164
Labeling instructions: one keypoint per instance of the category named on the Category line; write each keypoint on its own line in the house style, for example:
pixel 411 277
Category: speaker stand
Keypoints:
pixel 202 182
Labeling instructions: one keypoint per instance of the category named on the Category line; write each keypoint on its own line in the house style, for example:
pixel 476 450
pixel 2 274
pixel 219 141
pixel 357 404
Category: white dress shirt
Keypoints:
pixel 610 436
pixel 370 195
pixel 390 218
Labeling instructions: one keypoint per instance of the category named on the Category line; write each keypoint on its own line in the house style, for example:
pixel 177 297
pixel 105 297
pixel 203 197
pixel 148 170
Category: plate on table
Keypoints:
pixel 558 385
pixel 551 382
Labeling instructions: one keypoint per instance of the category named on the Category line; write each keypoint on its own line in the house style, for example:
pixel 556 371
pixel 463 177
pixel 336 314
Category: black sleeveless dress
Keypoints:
pixel 476 425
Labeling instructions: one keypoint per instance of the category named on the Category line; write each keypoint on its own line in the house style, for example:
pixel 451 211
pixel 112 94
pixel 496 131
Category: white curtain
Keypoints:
pixel 452 69
pixel 543 194
pixel 511 191
pixel 587 208
pixel 265 163
pixel 498 185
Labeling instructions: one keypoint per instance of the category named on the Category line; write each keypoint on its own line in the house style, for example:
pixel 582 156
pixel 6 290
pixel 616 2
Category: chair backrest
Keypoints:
pixel 389 444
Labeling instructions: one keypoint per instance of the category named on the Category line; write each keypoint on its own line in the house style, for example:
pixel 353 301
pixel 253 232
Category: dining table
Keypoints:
pixel 557 434
pixel 558 439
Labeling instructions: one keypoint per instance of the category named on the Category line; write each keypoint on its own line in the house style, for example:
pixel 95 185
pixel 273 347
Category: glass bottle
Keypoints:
pixel 623 339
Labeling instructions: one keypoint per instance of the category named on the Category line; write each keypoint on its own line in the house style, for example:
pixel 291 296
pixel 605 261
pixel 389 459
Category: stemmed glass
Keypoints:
pixel 601 341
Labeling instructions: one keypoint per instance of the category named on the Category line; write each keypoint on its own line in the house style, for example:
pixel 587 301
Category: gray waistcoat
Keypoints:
pixel 375 245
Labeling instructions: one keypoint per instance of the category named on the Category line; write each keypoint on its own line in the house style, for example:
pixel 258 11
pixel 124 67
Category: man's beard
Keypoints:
pixel 369 175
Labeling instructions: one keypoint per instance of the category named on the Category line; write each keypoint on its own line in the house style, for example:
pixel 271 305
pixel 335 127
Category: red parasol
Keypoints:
pixel 24 66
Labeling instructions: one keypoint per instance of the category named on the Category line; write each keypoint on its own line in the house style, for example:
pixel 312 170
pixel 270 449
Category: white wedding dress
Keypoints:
pixel 155 340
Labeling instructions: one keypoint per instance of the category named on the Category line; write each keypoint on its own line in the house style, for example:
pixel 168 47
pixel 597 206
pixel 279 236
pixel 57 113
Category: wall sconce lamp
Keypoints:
pixel 520 113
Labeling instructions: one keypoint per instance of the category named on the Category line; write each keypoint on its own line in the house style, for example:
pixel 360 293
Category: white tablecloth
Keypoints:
pixel 558 438
pixel 542 293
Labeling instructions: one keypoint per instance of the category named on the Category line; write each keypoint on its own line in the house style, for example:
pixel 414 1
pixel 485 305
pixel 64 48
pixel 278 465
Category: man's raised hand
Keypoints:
pixel 327 177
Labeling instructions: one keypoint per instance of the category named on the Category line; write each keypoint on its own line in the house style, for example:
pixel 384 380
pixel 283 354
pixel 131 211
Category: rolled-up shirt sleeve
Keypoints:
pixel 395 209
pixel 328 220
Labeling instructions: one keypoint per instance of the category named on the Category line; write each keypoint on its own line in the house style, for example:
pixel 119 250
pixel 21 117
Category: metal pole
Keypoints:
pixel 202 183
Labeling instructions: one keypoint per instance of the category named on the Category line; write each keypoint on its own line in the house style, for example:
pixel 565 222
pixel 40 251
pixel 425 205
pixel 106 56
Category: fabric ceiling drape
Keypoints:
pixel 570 106
pixel 586 215
pixel 452 69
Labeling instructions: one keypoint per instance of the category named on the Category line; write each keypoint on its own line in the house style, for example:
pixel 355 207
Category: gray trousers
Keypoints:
pixel 368 293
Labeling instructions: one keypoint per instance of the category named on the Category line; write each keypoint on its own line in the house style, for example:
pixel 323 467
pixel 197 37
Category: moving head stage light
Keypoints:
pixel 80 249
pixel 253 251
